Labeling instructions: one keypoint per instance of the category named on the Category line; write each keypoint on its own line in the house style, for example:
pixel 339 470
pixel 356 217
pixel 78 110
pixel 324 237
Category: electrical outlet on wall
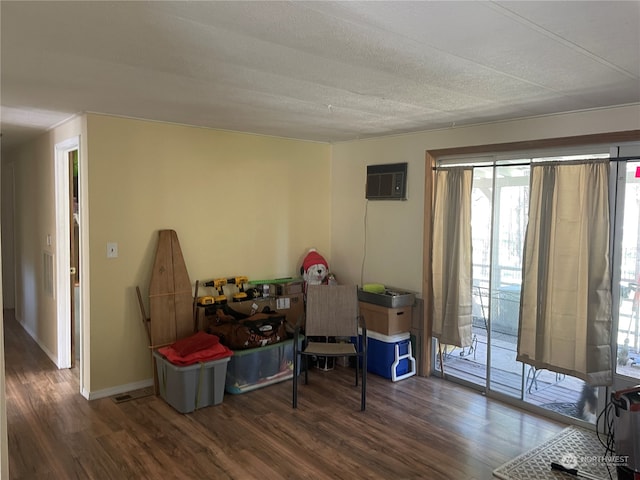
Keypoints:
pixel 112 250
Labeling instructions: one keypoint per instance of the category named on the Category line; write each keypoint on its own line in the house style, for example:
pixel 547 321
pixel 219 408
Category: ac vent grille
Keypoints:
pixel 387 182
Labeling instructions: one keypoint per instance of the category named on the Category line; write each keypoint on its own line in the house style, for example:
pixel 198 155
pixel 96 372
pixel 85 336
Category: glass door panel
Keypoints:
pixel 509 227
pixel 627 337
pixel 470 364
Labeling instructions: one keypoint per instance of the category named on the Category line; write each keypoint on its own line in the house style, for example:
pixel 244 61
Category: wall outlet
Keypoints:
pixel 112 250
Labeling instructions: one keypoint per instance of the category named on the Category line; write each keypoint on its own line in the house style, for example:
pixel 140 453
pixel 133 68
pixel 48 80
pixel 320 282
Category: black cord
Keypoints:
pixel 609 445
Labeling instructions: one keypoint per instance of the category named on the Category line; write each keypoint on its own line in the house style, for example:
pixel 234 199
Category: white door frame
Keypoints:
pixel 63 255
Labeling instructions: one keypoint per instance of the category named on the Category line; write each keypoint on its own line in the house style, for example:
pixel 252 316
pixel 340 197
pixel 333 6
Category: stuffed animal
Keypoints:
pixel 314 269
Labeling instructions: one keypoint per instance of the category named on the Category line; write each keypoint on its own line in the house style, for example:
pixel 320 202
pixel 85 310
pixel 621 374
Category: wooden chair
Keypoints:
pixel 331 312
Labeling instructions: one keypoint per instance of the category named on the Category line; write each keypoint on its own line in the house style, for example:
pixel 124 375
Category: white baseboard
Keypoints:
pixel 109 392
pixel 32 334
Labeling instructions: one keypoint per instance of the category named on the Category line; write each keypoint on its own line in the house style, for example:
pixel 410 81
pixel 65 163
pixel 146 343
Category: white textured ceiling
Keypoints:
pixel 324 71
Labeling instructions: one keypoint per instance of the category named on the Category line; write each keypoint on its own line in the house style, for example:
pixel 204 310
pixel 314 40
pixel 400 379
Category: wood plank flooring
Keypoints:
pixel 418 428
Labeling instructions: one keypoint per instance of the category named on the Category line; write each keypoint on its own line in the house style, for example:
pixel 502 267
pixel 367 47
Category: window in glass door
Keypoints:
pixel 627 337
pixel 510 211
pixel 469 364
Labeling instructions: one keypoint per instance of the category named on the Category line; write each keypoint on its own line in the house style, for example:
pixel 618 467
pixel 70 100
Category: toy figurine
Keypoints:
pixel 314 269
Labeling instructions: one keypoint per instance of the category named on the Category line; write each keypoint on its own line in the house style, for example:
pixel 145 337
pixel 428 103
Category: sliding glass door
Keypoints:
pixel 500 201
pixel 499 215
pixel 627 274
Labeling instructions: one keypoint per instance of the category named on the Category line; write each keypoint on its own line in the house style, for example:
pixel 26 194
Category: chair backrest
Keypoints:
pixel 332 310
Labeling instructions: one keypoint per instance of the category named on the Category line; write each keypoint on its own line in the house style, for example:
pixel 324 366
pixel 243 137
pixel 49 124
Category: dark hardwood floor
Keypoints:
pixel 417 428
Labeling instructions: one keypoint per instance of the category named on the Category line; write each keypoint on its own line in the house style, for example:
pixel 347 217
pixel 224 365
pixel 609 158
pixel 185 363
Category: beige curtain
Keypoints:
pixel 451 257
pixel 565 307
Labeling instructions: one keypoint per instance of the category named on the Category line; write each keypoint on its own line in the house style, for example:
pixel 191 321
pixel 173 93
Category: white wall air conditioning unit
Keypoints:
pixel 387 182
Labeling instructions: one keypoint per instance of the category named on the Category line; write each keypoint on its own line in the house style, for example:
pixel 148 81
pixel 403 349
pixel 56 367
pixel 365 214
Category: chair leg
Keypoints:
pixel 363 401
pixel 306 369
pixel 357 369
pixel 295 375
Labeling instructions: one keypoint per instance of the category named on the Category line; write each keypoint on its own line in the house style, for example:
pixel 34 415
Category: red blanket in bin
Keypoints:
pixel 200 347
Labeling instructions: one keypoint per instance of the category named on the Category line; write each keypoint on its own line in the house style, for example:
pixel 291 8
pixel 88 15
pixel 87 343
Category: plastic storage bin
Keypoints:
pixel 258 367
pixel 627 431
pixel 390 356
pixel 191 387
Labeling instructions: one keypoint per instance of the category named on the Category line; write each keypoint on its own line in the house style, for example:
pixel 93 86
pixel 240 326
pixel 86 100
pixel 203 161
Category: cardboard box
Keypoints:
pixel 288 288
pixel 255 305
pixel 387 321
pixel 278 287
pixel 291 305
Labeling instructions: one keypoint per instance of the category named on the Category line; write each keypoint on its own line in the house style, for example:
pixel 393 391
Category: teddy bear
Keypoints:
pixel 314 269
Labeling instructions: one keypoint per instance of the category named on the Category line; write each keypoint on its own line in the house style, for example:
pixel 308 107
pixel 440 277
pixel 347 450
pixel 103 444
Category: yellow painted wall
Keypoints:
pixel 241 204
pixel 394 230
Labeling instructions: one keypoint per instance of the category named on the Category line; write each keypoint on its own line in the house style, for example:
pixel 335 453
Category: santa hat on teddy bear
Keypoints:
pixel 313 258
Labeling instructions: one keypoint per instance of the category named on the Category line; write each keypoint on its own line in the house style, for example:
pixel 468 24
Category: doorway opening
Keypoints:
pixel 75 257
pixel 68 255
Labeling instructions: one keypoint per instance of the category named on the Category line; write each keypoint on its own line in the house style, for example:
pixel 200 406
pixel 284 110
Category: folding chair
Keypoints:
pixel 331 311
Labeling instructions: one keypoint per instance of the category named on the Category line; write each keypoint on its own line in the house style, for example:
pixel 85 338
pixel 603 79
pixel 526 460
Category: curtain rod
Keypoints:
pixel 566 162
